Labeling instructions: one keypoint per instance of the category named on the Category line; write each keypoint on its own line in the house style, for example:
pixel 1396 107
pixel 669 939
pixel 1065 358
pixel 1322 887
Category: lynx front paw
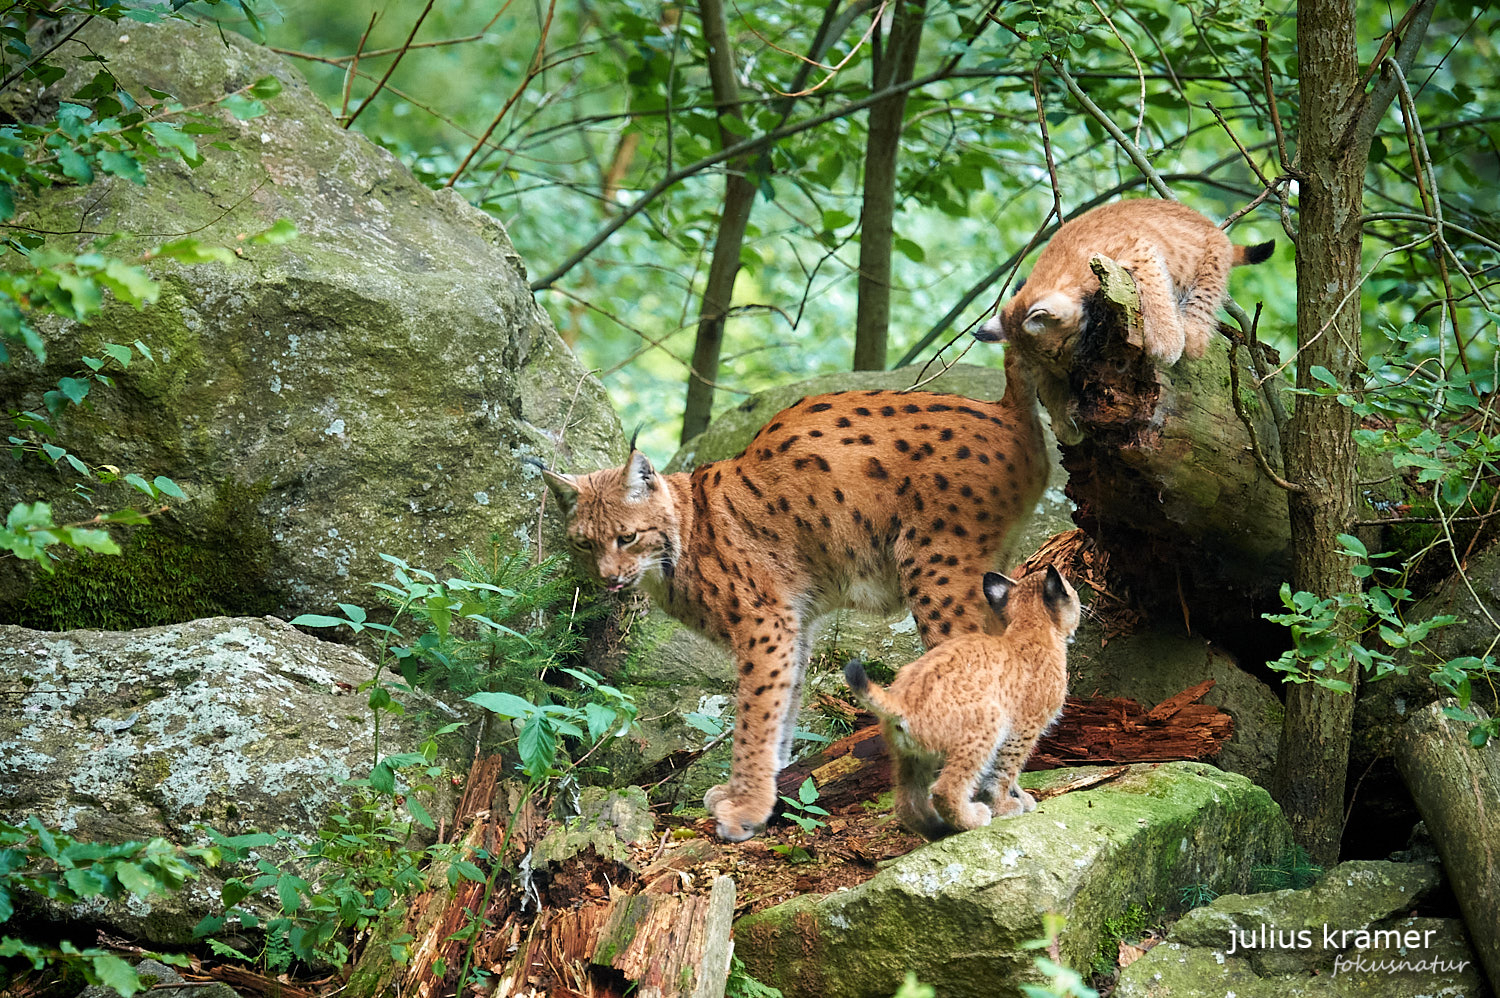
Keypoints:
pixel 738 819
pixel 1028 802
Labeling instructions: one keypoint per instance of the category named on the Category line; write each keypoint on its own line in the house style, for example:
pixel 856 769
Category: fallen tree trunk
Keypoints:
pixel 1165 478
pixel 1456 788
pixel 1091 730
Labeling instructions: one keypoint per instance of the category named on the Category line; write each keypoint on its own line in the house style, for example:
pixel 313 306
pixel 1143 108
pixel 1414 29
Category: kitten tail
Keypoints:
pixel 875 699
pixel 1259 253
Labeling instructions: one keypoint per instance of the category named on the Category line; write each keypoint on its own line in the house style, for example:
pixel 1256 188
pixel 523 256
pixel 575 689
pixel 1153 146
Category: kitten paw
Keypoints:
pixel 1028 802
pixel 738 821
pixel 714 796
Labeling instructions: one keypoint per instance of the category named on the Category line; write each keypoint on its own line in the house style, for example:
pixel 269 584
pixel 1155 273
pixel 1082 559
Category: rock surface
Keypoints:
pixel 235 723
pixel 1384 705
pixel 1332 958
pixel 958 911
pixel 368 387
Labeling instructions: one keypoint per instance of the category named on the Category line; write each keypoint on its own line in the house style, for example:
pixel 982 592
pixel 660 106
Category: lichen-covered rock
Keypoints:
pixel 958 911
pixel 237 724
pixel 1344 936
pixel 370 386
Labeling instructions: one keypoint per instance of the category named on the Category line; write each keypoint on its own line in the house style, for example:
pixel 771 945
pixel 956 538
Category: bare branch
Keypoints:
pixel 392 67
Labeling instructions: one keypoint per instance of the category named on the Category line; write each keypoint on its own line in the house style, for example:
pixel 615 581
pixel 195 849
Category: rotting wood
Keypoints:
pixel 1092 730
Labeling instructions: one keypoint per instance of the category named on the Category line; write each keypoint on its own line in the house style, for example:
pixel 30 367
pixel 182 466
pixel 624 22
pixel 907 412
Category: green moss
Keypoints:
pixel 1128 926
pixel 211 564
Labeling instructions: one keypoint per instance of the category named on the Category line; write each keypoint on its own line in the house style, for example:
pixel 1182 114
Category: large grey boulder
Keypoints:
pixel 1347 935
pixel 370 386
pixel 236 724
pixel 958 911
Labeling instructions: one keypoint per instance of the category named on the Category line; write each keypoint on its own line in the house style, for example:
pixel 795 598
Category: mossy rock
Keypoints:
pixel 958 911
pixel 371 386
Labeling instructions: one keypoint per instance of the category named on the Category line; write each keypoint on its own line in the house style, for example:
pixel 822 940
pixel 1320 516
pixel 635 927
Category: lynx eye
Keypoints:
pixel 625 539
pixel 579 544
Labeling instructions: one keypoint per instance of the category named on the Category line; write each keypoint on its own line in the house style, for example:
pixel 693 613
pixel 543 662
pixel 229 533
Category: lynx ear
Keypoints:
pixel 997 589
pixel 1054 589
pixel 564 488
pixel 640 477
pixel 1051 311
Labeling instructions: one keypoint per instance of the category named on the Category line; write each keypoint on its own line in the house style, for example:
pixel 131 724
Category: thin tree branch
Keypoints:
pixel 391 68
pixel 1372 107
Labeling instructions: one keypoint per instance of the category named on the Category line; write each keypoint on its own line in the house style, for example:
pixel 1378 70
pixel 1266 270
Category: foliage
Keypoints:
pixel 49 864
pixel 1062 981
pixel 360 871
pixel 474 640
pixel 741 985
pixel 1192 896
pixel 1296 871
pixel 1129 925
pixel 801 810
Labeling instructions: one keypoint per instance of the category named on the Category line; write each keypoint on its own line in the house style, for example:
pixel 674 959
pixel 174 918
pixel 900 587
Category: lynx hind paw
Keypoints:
pixel 1028 802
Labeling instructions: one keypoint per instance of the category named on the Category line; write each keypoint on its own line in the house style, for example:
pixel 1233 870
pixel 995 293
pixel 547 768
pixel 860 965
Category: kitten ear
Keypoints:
pixel 993 330
pixel 997 589
pixel 1051 311
pixel 640 477
pixel 1054 589
pixel 564 488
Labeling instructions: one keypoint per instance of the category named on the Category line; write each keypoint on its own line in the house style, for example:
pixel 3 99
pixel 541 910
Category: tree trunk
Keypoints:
pixel 882 150
pixel 1333 146
pixel 1456 788
pixel 739 198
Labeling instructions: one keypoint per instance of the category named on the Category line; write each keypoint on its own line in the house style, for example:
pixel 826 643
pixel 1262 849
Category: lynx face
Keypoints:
pixel 620 522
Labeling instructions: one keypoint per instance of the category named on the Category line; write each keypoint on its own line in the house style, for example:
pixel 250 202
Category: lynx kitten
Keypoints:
pixel 1179 259
pixel 868 499
pixel 975 706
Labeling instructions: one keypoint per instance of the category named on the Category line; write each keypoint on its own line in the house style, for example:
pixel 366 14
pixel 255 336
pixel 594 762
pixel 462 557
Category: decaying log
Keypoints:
pixel 1164 477
pixel 1091 730
pixel 1456 788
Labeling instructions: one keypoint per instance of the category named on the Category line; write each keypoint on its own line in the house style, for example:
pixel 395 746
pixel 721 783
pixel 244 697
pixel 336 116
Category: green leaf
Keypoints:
pixel 193 251
pixel 317 620
pixel 136 881
pixel 76 389
pixel 169 136
pixel 537 746
pixel 132 285
pixel 504 704
pixel 383 778
pixel 808 792
pixel 122 165
pixel 417 811
pixel 242 107
pixel 113 972
pixel 166 485
pixel 140 483
pixel 92 540
pixel 265 88
pixel 120 353
pixel 281 231
pixel 288 889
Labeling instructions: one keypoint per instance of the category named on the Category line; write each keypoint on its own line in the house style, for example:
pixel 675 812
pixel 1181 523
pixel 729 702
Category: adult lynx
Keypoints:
pixel 866 499
pixel 1179 259
pixel 974 707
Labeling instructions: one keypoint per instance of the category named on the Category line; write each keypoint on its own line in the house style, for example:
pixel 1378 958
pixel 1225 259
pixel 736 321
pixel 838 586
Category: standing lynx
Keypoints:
pixel 866 499
pixel 975 706
pixel 1179 259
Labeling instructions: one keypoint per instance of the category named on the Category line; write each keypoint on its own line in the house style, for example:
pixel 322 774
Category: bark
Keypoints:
pixel 882 150
pixel 1313 758
pixel 739 198
pixel 1162 477
pixel 1456 788
pixel 1092 730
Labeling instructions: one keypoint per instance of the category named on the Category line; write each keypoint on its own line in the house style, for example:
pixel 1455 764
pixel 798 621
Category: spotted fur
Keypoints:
pixel 962 719
pixel 867 499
